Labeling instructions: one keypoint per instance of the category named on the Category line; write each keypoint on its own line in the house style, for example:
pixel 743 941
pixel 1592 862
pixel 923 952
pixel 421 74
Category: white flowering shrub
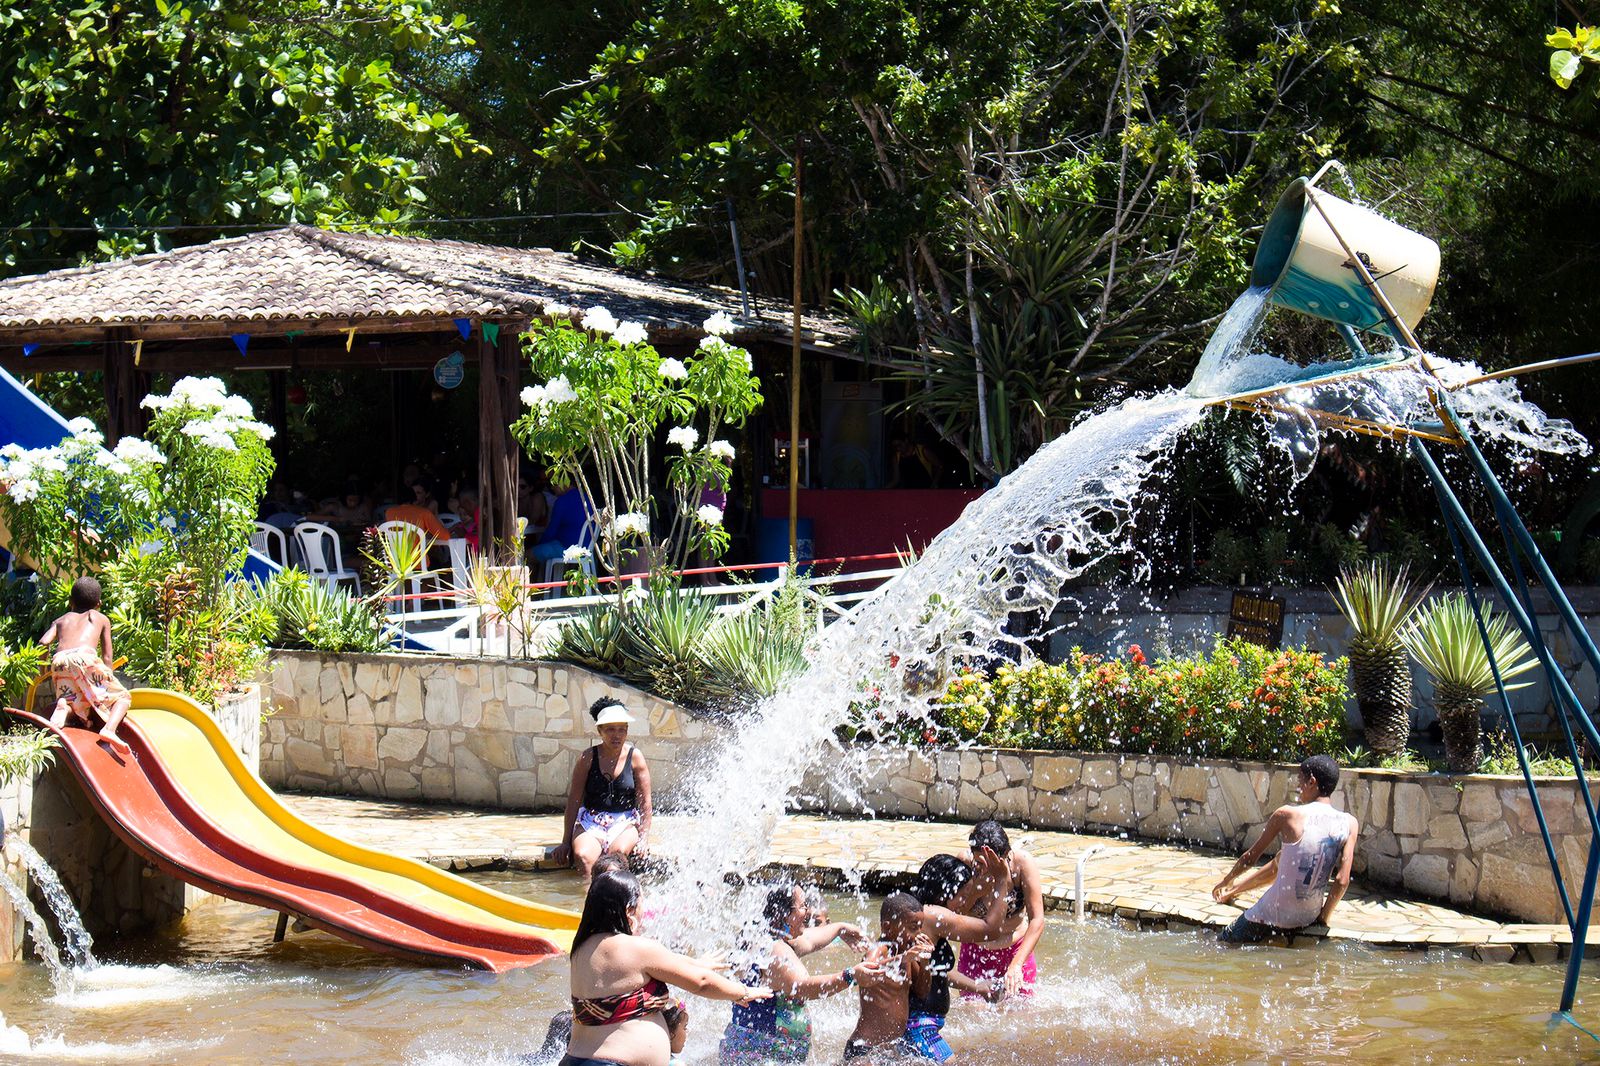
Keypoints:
pixel 163 520
pixel 605 398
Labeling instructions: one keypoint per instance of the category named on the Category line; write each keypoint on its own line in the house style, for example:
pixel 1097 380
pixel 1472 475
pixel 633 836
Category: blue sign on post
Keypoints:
pixel 449 371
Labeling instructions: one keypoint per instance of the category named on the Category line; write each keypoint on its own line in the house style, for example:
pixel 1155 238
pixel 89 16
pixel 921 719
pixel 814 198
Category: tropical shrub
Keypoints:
pixel 163 521
pixel 310 614
pixel 607 394
pixel 1242 701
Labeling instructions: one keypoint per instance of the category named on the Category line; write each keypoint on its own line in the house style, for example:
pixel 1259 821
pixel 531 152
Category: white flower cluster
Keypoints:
pixel 195 392
pixel 710 514
pixel 715 344
pixel 217 430
pixel 630 333
pixel 599 320
pixel 559 390
pixel 631 524
pixel 673 369
pixel 555 310
pixel 84 429
pixel 22 469
pixel 719 324
pixel 133 450
pixel 721 449
pixel 224 415
pixel 685 437
pixel 575 553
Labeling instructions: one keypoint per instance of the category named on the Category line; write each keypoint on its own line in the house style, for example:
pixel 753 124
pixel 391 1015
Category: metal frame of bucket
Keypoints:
pixel 1322 256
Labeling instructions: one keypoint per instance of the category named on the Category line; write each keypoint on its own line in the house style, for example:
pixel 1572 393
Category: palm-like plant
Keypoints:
pixel 1445 639
pixel 1377 600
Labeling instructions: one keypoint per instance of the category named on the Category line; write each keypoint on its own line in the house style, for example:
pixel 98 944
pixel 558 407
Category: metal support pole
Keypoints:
pixel 738 262
pixel 282 929
pixel 794 364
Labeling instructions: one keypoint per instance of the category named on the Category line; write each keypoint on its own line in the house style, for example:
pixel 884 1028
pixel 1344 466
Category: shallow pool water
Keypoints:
pixel 215 989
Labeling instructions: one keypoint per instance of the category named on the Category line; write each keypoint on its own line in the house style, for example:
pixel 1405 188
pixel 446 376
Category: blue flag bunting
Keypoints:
pixel 241 341
pixel 29 349
pixel 465 326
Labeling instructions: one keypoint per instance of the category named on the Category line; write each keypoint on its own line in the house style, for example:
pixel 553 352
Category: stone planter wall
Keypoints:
pixel 1471 841
pixel 478 731
pixel 1100 621
pixel 114 889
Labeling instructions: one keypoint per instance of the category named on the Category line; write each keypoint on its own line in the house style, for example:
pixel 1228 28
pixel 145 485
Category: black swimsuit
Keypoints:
pixel 937 1001
pixel 610 795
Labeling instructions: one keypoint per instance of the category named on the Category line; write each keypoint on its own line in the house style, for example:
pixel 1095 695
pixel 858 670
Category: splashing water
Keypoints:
pixel 60 973
pixel 80 945
pixel 987 581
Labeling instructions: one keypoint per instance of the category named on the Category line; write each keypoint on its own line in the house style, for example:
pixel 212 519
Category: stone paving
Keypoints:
pixel 1155 885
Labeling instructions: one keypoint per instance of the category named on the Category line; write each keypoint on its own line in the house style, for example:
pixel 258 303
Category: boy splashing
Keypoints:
pixel 81 668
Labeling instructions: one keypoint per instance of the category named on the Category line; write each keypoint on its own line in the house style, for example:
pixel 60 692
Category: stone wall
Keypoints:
pixel 1471 841
pixel 478 731
pixel 114 889
pixel 1098 621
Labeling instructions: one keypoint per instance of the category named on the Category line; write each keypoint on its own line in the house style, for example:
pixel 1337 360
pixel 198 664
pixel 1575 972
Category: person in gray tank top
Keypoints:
pixel 1311 871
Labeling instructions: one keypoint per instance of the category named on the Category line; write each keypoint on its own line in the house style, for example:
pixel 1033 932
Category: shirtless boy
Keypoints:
pixel 81 668
pixel 892 964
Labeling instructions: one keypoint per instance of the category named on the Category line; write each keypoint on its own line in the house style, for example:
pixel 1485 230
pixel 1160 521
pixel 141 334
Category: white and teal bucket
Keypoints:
pixel 1307 269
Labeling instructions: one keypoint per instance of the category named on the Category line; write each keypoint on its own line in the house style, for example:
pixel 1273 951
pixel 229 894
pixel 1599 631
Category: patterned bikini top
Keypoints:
pixel 614 1010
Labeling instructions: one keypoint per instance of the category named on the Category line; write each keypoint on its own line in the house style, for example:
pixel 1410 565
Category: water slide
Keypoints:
pixel 186 802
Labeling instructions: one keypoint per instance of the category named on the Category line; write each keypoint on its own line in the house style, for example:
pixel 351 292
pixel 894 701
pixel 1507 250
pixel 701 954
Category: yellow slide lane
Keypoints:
pixel 208 769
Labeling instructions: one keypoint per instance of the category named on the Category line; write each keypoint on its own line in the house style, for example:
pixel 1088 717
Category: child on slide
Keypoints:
pixel 86 688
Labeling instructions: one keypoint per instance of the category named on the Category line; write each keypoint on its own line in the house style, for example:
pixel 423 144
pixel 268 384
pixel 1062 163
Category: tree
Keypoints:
pixel 134 126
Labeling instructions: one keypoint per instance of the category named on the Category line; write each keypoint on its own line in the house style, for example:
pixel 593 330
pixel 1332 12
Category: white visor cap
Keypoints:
pixel 613 714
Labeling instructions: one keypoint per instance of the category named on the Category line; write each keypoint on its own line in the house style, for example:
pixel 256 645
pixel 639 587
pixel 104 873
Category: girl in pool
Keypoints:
pixel 608 801
pixel 777 1029
pixel 1007 957
pixel 620 1000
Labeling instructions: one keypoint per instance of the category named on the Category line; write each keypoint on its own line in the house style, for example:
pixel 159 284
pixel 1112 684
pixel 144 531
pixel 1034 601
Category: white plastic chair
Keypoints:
pixel 460 568
pixel 319 546
pixel 269 540
pixel 397 526
pixel 448 520
pixel 556 569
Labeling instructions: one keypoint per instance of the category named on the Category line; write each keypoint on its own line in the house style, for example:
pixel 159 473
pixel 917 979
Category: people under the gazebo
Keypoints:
pixel 569 516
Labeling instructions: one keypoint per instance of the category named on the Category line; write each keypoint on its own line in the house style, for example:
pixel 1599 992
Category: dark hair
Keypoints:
pixel 602 703
pixel 610 861
pixel 778 909
pixel 992 835
pixel 897 907
pixel 940 878
pixel 1324 771
pixel 605 909
pixel 85 594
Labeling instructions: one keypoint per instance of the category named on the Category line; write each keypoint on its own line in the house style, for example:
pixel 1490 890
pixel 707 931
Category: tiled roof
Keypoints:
pixel 300 274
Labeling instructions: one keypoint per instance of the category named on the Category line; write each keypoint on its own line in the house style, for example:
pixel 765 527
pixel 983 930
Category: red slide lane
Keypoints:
pixel 140 802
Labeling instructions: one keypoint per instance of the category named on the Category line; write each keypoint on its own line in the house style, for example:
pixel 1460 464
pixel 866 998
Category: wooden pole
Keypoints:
pixel 794 368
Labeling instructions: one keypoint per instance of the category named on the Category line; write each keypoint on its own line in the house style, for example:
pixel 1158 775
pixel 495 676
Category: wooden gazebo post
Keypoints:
pixel 498 451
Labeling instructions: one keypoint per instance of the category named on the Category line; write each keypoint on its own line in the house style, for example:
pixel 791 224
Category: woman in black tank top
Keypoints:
pixel 608 802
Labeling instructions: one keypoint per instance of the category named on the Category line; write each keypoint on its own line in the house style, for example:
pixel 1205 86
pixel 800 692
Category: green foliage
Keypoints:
pixel 20 665
pixel 1500 757
pixel 1241 702
pixel 122 118
pixel 671 641
pixel 1571 50
pixel 310 614
pixel 24 752
pixel 1377 599
pixel 595 422
pixel 1444 638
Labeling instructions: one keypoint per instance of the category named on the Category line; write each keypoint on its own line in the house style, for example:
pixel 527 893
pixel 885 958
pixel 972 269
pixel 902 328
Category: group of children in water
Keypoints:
pixel 988 901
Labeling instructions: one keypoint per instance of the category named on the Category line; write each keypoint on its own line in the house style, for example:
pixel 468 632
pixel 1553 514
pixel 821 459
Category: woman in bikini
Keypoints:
pixel 620 1000
pixel 608 802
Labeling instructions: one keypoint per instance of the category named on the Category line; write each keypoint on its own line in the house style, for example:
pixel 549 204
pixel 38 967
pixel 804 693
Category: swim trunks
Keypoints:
pixel 925 1039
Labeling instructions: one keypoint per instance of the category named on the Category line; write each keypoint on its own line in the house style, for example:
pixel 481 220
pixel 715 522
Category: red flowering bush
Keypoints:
pixel 1243 701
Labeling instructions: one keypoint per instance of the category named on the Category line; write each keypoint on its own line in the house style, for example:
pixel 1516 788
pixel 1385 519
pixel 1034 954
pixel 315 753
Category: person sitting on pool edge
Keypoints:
pixel 1007 956
pixel 1312 869
pixel 608 801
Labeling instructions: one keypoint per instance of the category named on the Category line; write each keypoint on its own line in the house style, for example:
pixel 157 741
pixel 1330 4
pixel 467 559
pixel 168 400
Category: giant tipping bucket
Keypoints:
pixel 1307 266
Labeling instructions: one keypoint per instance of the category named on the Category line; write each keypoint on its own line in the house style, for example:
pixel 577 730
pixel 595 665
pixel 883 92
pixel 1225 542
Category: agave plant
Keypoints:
pixel 1377 600
pixel 1445 639
pixel 590 638
pixel 310 614
pixel 750 656
pixel 660 644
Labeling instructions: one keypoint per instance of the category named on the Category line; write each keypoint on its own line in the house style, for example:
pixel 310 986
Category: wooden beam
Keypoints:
pixel 498 454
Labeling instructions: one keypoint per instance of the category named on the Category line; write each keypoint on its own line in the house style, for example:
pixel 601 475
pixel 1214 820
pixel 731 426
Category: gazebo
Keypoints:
pixel 307 298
